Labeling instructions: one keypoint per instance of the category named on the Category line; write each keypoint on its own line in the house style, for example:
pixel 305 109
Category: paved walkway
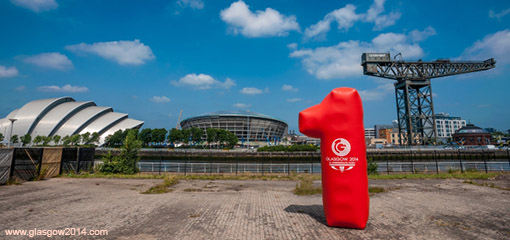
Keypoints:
pixel 411 209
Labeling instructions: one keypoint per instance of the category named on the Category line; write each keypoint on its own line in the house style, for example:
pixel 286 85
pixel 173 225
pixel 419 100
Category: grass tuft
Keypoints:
pixel 305 187
pixel 163 187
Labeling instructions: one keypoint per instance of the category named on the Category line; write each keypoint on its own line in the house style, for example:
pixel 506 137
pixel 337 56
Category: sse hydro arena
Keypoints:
pixel 65 117
pixel 249 127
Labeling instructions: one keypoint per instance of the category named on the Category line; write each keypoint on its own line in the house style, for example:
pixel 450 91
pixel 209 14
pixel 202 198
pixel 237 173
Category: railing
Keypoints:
pixel 314 167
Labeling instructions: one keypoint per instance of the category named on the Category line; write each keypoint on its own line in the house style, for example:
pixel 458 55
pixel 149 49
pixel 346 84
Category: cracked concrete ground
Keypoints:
pixel 252 209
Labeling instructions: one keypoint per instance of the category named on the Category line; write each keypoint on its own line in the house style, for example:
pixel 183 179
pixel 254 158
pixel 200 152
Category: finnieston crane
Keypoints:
pixel 415 109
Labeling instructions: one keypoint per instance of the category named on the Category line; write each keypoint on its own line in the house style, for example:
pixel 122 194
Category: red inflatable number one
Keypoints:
pixel 338 122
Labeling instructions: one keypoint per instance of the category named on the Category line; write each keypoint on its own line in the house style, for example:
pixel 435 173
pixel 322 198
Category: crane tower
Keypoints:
pixel 413 92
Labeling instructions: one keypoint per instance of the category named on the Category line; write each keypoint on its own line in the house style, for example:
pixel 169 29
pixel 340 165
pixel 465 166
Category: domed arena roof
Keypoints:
pixel 64 116
pixel 470 128
pixel 238 113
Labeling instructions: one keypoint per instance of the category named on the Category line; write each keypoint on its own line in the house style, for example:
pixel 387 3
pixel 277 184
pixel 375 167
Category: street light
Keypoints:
pixel 12 126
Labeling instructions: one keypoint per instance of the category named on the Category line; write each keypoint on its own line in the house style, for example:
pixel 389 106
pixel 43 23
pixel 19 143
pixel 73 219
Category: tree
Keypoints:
pixel 38 140
pixel 56 139
pixel 159 134
pixel 116 139
pixel 66 140
pixel 46 140
pixel 94 139
pixel 26 139
pixel 75 139
pixel 212 134
pixel 126 161
pixel 14 139
pixel 175 135
pixel 186 134
pixel 1 137
pixel 85 138
pixel 232 139
pixel 222 136
pixel 146 136
pixel 196 134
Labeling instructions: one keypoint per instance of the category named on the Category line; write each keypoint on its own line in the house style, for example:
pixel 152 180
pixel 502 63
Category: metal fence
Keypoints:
pixel 314 167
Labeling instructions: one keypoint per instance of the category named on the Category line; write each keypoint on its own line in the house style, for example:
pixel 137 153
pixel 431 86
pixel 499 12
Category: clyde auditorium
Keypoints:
pixel 249 127
pixel 64 116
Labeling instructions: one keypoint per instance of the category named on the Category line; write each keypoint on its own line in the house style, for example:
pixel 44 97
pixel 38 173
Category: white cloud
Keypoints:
pixel 8 71
pixel 194 4
pixel 343 60
pixel 251 91
pixel 64 89
pixel 20 88
pixel 241 105
pixel 289 88
pixel 160 99
pixel 203 82
pixel 496 45
pixel 418 36
pixel 499 15
pixel 53 60
pixel 346 17
pixel 36 5
pixel 292 46
pixel 122 52
pixel 381 21
pixel 377 93
pixel 265 23
pixel 294 100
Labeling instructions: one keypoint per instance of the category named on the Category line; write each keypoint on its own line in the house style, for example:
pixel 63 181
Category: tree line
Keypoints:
pixel 87 139
pixel 187 137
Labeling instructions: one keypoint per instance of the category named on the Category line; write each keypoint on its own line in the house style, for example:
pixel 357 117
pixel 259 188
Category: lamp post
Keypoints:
pixel 12 126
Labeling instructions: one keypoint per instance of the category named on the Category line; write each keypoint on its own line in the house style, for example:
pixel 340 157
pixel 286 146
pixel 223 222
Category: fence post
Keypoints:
pixel 159 168
pixel 387 164
pixel 77 160
pixel 185 167
pixel 412 162
pixel 435 159
pixel 210 167
pixel 288 163
pixel 13 162
pixel 460 161
pixel 262 167
pixel 41 152
pixel 484 160
pixel 237 165
pixel 507 155
pixel 311 167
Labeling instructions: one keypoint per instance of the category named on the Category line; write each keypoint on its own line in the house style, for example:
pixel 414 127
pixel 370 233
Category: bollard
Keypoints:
pixel 338 122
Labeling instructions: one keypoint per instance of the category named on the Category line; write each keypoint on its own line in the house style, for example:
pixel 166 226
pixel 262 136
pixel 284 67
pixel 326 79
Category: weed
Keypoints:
pixel 13 181
pixel 192 190
pixel 305 187
pixel 376 189
pixel 491 185
pixel 163 187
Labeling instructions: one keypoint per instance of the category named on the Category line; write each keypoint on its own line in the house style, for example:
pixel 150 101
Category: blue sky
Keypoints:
pixel 151 59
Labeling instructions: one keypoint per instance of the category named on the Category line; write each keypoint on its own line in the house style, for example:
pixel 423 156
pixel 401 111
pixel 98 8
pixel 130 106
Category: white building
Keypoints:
pixel 64 117
pixel 447 125
pixel 369 133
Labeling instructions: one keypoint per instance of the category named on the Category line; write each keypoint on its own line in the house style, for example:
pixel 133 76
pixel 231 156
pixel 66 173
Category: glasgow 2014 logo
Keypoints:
pixel 341 147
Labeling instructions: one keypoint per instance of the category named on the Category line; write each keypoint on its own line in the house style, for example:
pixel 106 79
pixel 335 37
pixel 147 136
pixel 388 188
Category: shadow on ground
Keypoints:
pixel 314 211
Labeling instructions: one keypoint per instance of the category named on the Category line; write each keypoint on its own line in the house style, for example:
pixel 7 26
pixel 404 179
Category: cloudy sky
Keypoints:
pixel 153 58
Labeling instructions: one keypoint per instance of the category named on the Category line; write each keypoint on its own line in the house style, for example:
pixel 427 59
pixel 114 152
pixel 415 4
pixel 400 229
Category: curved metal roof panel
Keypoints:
pixel 104 122
pixel 29 115
pixel 127 123
pixel 81 120
pixel 57 116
